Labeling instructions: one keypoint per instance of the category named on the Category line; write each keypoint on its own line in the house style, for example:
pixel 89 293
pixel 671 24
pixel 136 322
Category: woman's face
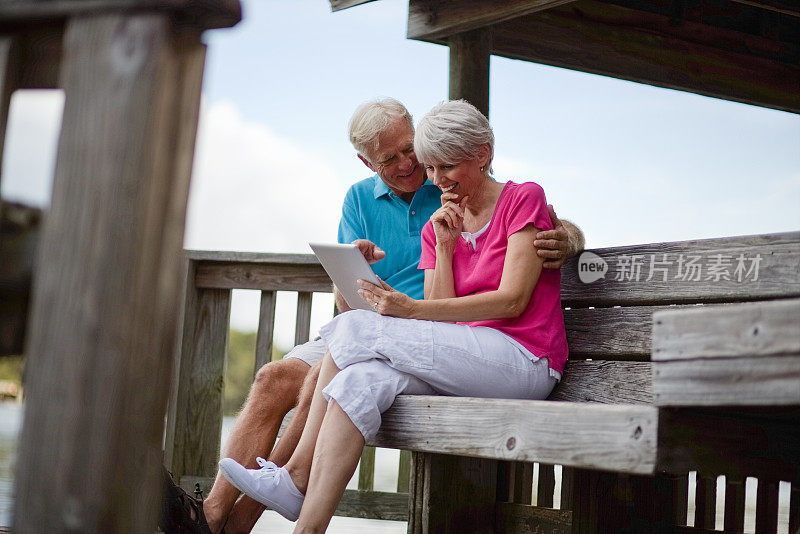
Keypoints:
pixel 461 178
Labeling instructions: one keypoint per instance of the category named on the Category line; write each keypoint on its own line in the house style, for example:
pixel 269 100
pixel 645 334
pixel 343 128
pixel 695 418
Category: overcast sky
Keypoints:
pixel 628 163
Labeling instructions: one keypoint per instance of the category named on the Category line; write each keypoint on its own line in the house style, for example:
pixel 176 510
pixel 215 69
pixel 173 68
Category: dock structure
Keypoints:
pixel 105 299
pixel 657 386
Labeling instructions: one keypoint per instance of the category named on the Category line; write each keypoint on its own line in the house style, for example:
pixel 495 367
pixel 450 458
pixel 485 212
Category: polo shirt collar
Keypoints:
pixel 382 189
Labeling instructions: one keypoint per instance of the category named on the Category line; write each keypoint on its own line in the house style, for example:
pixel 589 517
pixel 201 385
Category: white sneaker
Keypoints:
pixel 271 486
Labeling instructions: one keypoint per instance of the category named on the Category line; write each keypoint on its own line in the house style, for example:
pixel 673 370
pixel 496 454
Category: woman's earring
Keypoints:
pixel 483 169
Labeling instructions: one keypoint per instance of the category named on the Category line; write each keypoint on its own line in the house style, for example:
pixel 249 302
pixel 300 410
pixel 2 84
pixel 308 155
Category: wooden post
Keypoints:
pixel 106 293
pixel 452 494
pixel 8 83
pixel 470 54
pixel 266 328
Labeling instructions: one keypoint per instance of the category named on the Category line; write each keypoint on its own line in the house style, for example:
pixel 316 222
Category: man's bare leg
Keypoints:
pixel 273 393
pixel 246 511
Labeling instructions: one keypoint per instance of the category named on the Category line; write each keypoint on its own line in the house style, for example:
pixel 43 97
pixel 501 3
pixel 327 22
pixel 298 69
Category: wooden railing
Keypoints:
pixel 195 421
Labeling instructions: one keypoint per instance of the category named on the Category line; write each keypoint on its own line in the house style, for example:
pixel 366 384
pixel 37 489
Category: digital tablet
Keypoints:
pixel 346 265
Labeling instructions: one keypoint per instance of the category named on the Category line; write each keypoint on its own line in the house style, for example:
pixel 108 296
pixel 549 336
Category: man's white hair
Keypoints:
pixel 453 132
pixel 371 118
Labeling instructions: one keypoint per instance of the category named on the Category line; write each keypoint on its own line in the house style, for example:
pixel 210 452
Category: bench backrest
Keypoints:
pixel 609 296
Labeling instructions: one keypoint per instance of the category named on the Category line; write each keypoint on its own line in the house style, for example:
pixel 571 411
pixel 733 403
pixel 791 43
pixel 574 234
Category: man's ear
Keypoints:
pixel 367 163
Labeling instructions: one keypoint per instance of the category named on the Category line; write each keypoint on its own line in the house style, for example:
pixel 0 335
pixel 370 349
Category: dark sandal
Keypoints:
pixel 180 512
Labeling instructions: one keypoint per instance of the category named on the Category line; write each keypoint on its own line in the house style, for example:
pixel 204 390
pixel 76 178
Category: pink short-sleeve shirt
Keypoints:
pixel 540 328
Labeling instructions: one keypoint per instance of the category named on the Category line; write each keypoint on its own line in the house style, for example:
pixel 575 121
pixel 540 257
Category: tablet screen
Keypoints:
pixel 346 265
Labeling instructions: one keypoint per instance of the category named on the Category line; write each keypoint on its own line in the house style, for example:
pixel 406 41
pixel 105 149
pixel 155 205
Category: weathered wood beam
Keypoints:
pixel 678 272
pixel 778 6
pixel 521 519
pixel 607 382
pixel 741 355
pixel 595 436
pixel 470 57
pixel 338 5
pixel 644 47
pixel 106 295
pixel 435 19
pixel 204 14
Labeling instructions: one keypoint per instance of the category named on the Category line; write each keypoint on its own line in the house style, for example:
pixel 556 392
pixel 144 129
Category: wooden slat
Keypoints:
pixel 106 297
pixel 741 442
pixel 199 403
pixel 286 276
pixel 522 492
pixel 610 333
pixel 374 505
pixel 266 328
pixel 778 273
pixel 641 46
pixel 680 498
pixel 747 329
pixel 40 52
pixel 416 493
pixel 202 13
pixel 469 68
pixel 764 381
pixel 513 518
pixel 778 6
pixel 746 355
pixel 705 502
pixel 458 494
pixel 435 20
pixel 767 506
pixel 582 435
pixel 567 480
pixel 366 469
pixel 734 505
pixel 302 325
pixel 404 472
pixel 605 382
pixel 547 485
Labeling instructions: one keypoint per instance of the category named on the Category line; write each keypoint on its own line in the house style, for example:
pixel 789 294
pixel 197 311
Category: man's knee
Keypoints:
pixel 280 380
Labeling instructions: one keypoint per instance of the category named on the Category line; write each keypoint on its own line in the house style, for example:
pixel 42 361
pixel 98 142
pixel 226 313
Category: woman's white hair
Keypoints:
pixel 371 118
pixel 453 132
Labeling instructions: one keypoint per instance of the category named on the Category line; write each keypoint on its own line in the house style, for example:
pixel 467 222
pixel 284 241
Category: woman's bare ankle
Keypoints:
pixel 299 477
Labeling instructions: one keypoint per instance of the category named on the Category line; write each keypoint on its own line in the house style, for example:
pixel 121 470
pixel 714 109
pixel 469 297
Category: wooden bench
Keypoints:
pixel 625 452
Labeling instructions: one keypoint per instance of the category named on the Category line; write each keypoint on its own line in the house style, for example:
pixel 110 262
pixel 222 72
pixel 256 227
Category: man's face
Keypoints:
pixel 395 162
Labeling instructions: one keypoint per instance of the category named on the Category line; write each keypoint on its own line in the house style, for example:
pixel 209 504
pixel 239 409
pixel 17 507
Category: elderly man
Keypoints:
pixel 383 215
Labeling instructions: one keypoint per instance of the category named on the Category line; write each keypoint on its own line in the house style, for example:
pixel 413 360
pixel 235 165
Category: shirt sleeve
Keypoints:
pixel 428 258
pixel 528 206
pixel 350 227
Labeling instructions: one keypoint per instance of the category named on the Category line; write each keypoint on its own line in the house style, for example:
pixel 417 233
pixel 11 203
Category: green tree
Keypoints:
pixel 239 376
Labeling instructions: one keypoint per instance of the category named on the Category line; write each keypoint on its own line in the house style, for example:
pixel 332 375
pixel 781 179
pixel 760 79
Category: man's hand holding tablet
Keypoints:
pixel 346 264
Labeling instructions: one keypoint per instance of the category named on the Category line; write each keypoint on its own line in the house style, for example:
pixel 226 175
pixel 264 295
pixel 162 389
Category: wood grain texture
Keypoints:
pixel 205 14
pixel 366 469
pixel 266 328
pixel 767 506
pixel 106 297
pixel 756 381
pixel 374 505
pixel 515 518
pixel 705 503
pixel 778 273
pixel 279 276
pixel 428 19
pixel 469 68
pixel 621 438
pixel 644 47
pixel 458 494
pixel 736 442
pixel 302 326
pixel 607 382
pixel 547 484
pixel 404 472
pixel 747 330
pixel 199 406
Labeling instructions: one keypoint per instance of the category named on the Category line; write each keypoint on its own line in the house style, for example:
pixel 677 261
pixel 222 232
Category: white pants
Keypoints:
pixel 381 357
pixel 310 352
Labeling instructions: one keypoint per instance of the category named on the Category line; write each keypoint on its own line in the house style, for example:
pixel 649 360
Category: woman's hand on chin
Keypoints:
pixel 448 221
pixel 385 300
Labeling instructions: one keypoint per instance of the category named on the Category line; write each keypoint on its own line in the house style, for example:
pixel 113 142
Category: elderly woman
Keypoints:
pixel 490 325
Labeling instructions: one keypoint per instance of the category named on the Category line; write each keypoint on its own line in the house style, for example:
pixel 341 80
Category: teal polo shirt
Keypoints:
pixel 372 211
